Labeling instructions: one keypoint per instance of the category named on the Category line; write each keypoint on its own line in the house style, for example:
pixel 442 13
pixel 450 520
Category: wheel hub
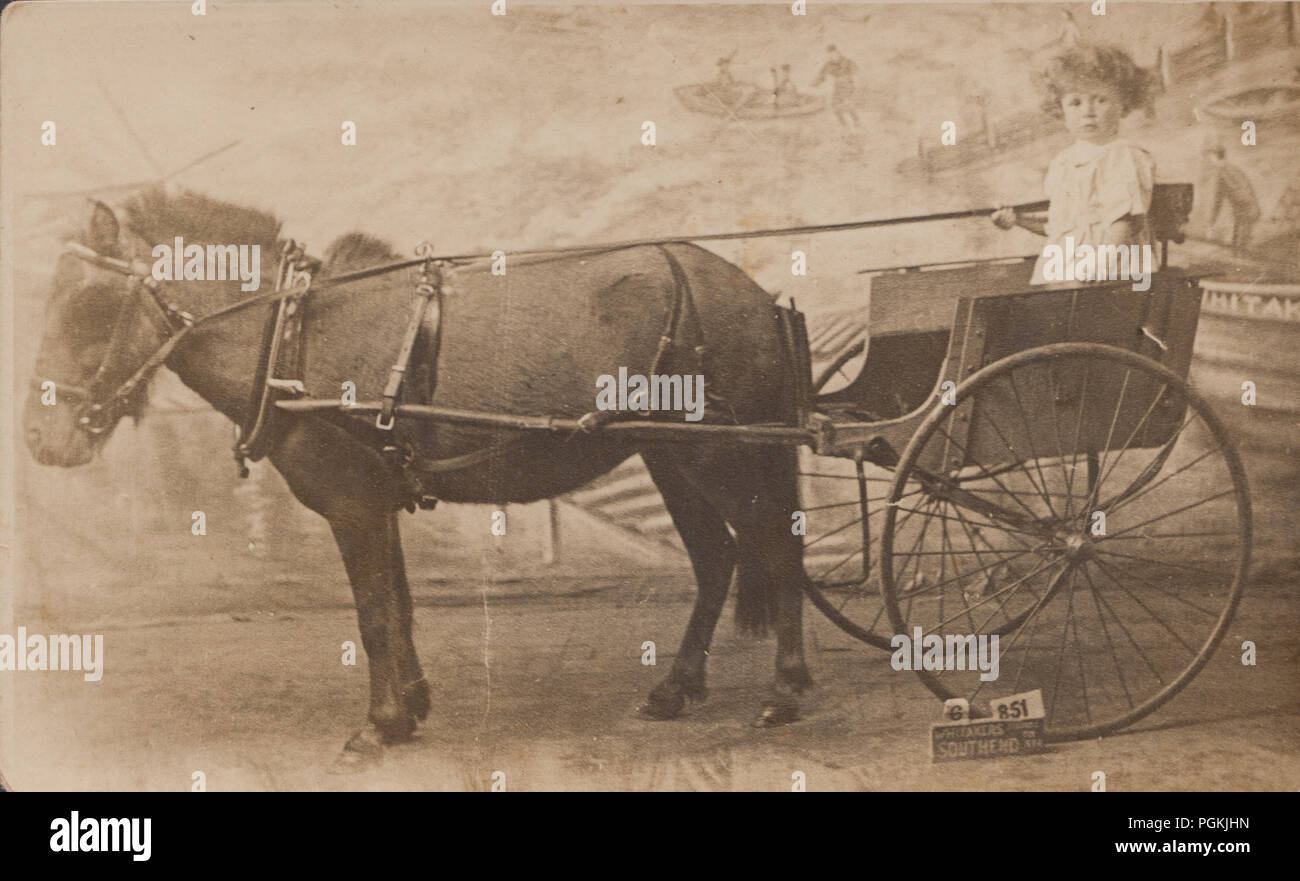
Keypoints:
pixel 1079 547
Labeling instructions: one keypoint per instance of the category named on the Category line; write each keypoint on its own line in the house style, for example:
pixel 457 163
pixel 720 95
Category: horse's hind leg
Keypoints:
pixel 713 556
pixel 756 490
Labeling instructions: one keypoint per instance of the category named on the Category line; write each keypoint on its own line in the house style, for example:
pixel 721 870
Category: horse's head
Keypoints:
pixel 104 323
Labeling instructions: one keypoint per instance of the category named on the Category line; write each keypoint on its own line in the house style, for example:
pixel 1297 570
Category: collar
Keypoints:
pixel 1082 153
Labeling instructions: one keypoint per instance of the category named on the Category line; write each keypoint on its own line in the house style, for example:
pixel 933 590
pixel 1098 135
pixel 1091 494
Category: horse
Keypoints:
pixel 532 341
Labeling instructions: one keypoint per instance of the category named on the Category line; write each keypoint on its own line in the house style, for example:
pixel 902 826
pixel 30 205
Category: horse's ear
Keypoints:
pixel 101 232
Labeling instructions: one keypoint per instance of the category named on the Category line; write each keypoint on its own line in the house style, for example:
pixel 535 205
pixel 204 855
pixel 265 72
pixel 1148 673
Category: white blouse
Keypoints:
pixel 1091 187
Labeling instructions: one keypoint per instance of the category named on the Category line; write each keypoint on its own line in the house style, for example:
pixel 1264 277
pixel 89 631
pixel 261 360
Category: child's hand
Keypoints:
pixel 1004 218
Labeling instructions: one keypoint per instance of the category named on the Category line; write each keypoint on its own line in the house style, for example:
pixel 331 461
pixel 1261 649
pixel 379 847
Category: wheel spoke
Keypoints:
pixel 1134 433
pixel 1010 587
pixel 826 573
pixel 930 587
pixel 990 475
pixel 991 525
pixel 1203 501
pixel 845 477
pixel 1159 589
pixel 1119 668
pixel 1029 436
pixel 1078 426
pixel 1110 433
pixel 1113 505
pixel 1105 570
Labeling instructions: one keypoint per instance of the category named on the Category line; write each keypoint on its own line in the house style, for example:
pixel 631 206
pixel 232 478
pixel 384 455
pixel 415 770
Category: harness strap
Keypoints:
pixel 465 460
pixel 281 351
pixel 428 295
pixel 682 314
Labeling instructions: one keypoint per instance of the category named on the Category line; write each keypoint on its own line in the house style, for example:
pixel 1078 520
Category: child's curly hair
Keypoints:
pixel 1093 64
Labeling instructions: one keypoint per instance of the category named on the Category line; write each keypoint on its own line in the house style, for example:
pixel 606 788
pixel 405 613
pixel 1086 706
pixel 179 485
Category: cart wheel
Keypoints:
pixel 843 501
pixel 1083 504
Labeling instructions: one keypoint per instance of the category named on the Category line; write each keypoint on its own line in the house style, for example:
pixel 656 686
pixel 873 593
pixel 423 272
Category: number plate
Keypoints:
pixel 956 709
pixel 985 740
pixel 1026 705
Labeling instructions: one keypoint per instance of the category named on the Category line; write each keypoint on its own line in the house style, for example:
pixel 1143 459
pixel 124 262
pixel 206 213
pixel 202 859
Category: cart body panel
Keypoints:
pixel 993 312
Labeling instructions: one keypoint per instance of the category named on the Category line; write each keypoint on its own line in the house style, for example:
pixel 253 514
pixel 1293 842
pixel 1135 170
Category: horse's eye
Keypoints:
pixel 91 312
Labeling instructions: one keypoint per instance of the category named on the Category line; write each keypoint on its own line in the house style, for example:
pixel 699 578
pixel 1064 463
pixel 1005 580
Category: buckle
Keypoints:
pixel 94 419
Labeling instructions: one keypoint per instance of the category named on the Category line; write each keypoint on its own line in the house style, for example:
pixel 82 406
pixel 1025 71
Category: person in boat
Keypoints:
pixel 784 93
pixel 1229 184
pixel 1099 188
pixel 724 79
pixel 843 93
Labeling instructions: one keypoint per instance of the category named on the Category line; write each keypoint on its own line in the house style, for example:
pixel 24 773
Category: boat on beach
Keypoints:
pixel 745 101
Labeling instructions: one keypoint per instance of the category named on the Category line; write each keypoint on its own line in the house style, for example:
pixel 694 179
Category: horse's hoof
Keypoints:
pixel 363 750
pixel 660 708
pixel 415 699
pixel 394 729
pixel 775 715
pixel 694 691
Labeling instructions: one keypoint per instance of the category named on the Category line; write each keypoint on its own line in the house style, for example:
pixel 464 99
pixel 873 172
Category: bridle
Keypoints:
pixel 100 408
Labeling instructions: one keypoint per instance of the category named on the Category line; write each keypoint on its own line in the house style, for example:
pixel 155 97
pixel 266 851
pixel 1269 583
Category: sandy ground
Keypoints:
pixel 546 691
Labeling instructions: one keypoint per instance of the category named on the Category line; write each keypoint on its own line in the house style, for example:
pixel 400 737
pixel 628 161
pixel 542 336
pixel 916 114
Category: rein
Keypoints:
pixel 99 413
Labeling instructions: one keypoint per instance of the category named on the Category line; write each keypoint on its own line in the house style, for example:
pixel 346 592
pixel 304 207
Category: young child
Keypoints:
pixel 1100 186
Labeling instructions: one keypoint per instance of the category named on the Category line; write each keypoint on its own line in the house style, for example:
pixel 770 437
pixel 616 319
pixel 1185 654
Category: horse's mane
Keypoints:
pixel 356 250
pixel 158 216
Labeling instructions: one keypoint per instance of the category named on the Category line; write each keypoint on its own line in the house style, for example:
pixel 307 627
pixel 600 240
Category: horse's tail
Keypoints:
pixel 754 600
pixel 758 592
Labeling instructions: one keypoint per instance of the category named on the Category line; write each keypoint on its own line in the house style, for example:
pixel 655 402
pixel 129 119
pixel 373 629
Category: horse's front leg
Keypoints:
pixel 370 550
pixel 351 487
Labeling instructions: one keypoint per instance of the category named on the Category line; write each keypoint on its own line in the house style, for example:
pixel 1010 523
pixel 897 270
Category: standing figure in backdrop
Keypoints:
pixel 841 71
pixel 1228 183
pixel 1070 36
pixel 1100 186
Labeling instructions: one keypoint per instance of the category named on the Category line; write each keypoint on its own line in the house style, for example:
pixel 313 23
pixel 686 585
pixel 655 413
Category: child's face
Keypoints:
pixel 1093 113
